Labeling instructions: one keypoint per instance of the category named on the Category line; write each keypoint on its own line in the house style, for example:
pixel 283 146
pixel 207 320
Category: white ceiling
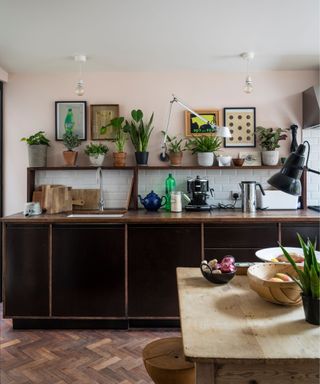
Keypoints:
pixel 141 35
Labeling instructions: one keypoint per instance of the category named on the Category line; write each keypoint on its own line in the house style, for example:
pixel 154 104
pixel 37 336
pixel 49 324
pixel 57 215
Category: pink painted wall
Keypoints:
pixel 29 107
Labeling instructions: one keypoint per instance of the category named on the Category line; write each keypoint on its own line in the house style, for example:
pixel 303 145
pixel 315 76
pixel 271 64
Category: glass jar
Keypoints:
pixel 176 201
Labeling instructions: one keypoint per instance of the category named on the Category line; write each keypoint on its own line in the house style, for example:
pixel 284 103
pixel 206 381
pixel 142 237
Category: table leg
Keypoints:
pixel 205 373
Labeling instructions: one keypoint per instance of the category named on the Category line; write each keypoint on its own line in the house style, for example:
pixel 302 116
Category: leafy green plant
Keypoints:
pixel 121 136
pixel 38 138
pixel 96 149
pixel 139 131
pixel 70 140
pixel 269 138
pixel 308 278
pixel 174 144
pixel 204 144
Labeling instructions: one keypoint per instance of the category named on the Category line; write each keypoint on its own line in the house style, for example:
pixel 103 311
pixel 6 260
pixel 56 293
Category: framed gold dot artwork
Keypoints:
pixel 242 125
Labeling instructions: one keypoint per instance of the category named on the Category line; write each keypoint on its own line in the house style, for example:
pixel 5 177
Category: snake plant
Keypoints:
pixel 139 131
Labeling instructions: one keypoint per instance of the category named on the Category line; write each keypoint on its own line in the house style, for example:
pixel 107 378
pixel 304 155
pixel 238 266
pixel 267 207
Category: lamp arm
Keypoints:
pixel 312 170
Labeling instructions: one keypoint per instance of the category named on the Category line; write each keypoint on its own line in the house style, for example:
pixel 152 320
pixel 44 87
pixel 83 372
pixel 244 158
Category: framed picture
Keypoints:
pixel 101 115
pixel 252 158
pixel 242 124
pixel 196 127
pixel 71 117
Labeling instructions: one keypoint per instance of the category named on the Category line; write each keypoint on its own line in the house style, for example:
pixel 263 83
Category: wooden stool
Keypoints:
pixel 165 362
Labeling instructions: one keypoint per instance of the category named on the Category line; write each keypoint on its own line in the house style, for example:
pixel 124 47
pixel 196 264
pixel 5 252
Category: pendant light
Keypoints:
pixel 248 87
pixel 79 90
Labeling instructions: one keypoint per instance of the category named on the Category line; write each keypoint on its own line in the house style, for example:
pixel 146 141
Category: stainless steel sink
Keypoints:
pixel 96 215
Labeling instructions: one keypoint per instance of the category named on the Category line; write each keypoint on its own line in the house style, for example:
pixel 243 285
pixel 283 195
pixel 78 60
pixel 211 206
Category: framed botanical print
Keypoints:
pixel 242 125
pixel 101 115
pixel 71 116
pixel 196 127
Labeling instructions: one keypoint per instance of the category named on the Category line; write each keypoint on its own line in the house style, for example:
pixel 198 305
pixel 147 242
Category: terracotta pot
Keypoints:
pixel 119 159
pixel 175 158
pixel 70 157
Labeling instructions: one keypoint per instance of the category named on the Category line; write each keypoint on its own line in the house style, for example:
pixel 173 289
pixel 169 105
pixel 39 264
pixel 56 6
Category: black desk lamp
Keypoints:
pixel 288 179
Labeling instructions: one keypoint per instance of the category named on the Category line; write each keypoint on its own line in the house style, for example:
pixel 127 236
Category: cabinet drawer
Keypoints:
pixel 241 236
pixel 289 233
pixel 240 254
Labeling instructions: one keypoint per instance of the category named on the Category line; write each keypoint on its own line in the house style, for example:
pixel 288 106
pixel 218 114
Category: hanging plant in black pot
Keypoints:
pixel 139 134
pixel 308 280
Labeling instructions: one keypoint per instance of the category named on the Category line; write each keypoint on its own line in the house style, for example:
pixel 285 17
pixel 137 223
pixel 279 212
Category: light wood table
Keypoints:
pixel 235 337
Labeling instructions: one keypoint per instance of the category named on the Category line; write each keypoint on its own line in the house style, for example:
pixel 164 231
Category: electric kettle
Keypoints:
pixel 249 195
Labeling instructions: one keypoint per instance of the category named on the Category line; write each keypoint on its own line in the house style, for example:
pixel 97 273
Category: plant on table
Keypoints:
pixel 37 149
pixel 96 153
pixel 308 279
pixel 139 132
pixel 204 147
pixel 70 141
pixel 175 147
pixel 121 137
pixel 269 141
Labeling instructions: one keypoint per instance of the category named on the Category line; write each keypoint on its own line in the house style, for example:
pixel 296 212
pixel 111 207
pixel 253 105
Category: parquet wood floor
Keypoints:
pixel 74 356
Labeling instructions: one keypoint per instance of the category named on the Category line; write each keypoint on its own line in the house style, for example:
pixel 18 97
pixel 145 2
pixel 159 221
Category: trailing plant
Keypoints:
pixel 174 144
pixel 96 149
pixel 70 140
pixel 139 131
pixel 204 144
pixel 120 135
pixel 308 278
pixel 269 138
pixel 38 138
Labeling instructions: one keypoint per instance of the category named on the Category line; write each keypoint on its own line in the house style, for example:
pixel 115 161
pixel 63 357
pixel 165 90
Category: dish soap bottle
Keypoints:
pixel 170 186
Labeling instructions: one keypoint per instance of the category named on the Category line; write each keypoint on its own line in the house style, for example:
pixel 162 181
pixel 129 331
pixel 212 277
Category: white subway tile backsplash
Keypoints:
pixel 313 184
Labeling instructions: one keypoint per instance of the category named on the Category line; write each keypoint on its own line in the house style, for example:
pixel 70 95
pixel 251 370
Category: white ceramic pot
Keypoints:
pixel 205 159
pixel 224 161
pixel 270 157
pixel 97 160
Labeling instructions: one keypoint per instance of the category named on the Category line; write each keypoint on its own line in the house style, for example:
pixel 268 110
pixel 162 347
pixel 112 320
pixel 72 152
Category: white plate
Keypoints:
pixel 267 254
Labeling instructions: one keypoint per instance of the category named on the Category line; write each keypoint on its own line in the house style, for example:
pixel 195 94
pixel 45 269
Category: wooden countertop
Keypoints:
pixel 161 217
pixel 232 322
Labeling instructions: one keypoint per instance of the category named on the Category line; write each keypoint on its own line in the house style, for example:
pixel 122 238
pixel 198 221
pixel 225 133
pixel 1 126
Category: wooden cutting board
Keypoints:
pixel 90 197
pixel 57 198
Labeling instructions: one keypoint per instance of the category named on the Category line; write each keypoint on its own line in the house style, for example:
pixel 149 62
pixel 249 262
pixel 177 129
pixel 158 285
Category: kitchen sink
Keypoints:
pixel 96 215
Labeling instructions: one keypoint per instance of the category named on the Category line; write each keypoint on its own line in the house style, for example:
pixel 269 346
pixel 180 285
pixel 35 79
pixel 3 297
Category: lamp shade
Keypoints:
pixel 223 132
pixel 288 179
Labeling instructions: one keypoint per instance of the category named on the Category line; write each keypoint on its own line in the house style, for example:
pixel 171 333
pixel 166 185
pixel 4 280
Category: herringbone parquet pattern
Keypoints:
pixel 80 356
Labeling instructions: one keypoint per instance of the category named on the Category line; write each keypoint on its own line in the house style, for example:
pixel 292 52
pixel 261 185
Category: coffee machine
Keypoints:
pixel 197 189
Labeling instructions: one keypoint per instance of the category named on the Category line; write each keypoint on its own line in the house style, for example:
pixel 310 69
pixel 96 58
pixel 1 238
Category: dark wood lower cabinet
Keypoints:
pixel 289 233
pixel 88 271
pixel 26 261
pixel 154 253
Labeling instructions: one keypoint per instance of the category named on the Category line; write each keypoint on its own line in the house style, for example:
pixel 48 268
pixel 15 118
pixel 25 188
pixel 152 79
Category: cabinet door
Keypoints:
pixel 289 233
pixel 154 253
pixel 88 271
pixel 26 279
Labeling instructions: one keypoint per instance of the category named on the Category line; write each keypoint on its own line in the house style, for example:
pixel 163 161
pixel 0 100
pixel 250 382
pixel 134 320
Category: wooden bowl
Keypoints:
pixel 284 293
pixel 238 162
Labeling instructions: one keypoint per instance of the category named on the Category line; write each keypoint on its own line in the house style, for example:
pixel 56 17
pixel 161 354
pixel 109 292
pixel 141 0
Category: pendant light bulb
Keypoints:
pixel 79 90
pixel 248 88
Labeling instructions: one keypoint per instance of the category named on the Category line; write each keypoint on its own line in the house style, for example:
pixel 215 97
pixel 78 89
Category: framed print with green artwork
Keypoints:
pixel 71 117
pixel 196 127
pixel 101 115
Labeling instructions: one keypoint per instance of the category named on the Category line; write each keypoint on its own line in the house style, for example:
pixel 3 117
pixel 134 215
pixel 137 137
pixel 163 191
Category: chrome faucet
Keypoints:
pixel 100 182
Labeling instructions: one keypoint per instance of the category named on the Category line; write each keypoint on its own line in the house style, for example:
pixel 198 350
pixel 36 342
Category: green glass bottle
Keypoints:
pixel 69 121
pixel 170 186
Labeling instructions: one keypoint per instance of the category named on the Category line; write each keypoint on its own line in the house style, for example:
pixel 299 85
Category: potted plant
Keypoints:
pixel 37 149
pixel 269 140
pixel 204 147
pixel 119 156
pixel 308 280
pixel 96 153
pixel 70 141
pixel 175 149
pixel 139 134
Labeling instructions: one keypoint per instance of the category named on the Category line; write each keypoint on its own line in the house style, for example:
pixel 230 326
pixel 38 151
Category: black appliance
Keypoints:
pixel 198 189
